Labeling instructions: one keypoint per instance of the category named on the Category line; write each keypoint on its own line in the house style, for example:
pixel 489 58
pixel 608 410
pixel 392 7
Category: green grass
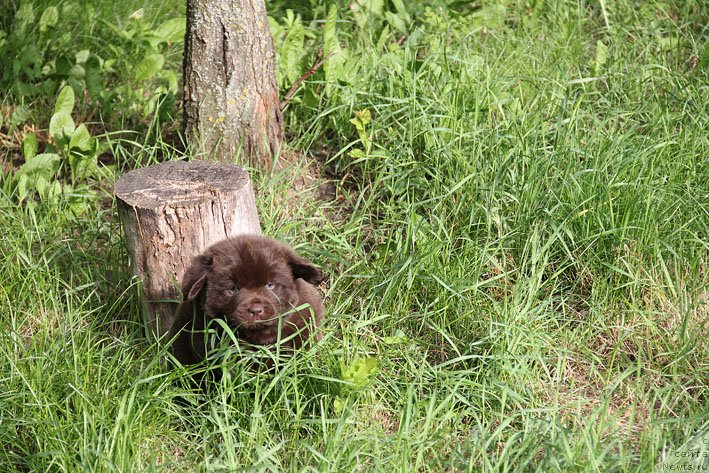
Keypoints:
pixel 518 238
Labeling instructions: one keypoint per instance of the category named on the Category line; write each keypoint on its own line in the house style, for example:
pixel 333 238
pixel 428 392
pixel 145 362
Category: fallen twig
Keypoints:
pixel 318 64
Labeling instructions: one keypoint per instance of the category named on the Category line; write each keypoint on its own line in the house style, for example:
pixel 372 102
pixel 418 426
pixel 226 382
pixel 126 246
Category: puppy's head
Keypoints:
pixel 248 280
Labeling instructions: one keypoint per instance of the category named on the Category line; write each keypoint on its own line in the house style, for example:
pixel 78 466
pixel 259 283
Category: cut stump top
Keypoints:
pixel 179 183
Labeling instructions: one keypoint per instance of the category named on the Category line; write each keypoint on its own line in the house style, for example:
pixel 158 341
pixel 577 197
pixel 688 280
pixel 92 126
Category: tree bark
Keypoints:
pixel 172 212
pixel 231 98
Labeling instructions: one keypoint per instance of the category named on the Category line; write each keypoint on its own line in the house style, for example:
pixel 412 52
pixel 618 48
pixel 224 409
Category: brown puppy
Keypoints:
pixel 259 287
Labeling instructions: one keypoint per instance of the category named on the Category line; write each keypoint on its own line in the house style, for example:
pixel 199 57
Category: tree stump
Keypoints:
pixel 171 212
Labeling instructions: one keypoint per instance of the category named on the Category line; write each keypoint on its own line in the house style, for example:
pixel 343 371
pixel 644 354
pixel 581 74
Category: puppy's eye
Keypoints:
pixel 270 285
pixel 233 290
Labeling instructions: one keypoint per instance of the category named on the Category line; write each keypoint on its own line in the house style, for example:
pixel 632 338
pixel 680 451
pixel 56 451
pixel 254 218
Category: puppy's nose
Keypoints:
pixel 256 309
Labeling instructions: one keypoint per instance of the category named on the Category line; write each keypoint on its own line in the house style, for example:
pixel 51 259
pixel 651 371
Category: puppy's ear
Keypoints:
pixel 304 269
pixel 195 277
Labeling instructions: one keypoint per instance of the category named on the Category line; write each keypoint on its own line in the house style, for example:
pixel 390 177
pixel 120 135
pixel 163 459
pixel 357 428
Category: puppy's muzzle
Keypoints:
pixel 256 309
pixel 256 312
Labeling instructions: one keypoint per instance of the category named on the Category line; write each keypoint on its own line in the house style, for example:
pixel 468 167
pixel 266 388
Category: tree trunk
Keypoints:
pixel 231 98
pixel 170 213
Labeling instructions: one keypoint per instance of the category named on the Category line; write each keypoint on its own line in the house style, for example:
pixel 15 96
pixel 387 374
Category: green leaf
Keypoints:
pixel 357 153
pixel 41 185
pixel 45 161
pixel 397 339
pixel 172 31
pixel 292 50
pixel 333 67
pixel 81 139
pixel 362 118
pixel 601 57
pixel 360 371
pixel 24 17
pixel 82 56
pixel 19 116
pixel 171 78
pixel 21 181
pixel 29 146
pixel 50 17
pixel 149 66
pixel 360 121
pixel 45 166
pixel 401 10
pixel 338 405
pixel 330 32
pixel 76 162
pixel 93 76
pixel 384 38
pixel 54 190
pixel 61 127
pixel 396 22
pixel 65 101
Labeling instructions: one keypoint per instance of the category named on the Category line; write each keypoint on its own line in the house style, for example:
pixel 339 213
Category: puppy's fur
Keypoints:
pixel 259 287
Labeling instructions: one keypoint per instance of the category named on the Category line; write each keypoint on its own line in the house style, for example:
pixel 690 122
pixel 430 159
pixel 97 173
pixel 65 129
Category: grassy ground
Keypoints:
pixel 515 228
